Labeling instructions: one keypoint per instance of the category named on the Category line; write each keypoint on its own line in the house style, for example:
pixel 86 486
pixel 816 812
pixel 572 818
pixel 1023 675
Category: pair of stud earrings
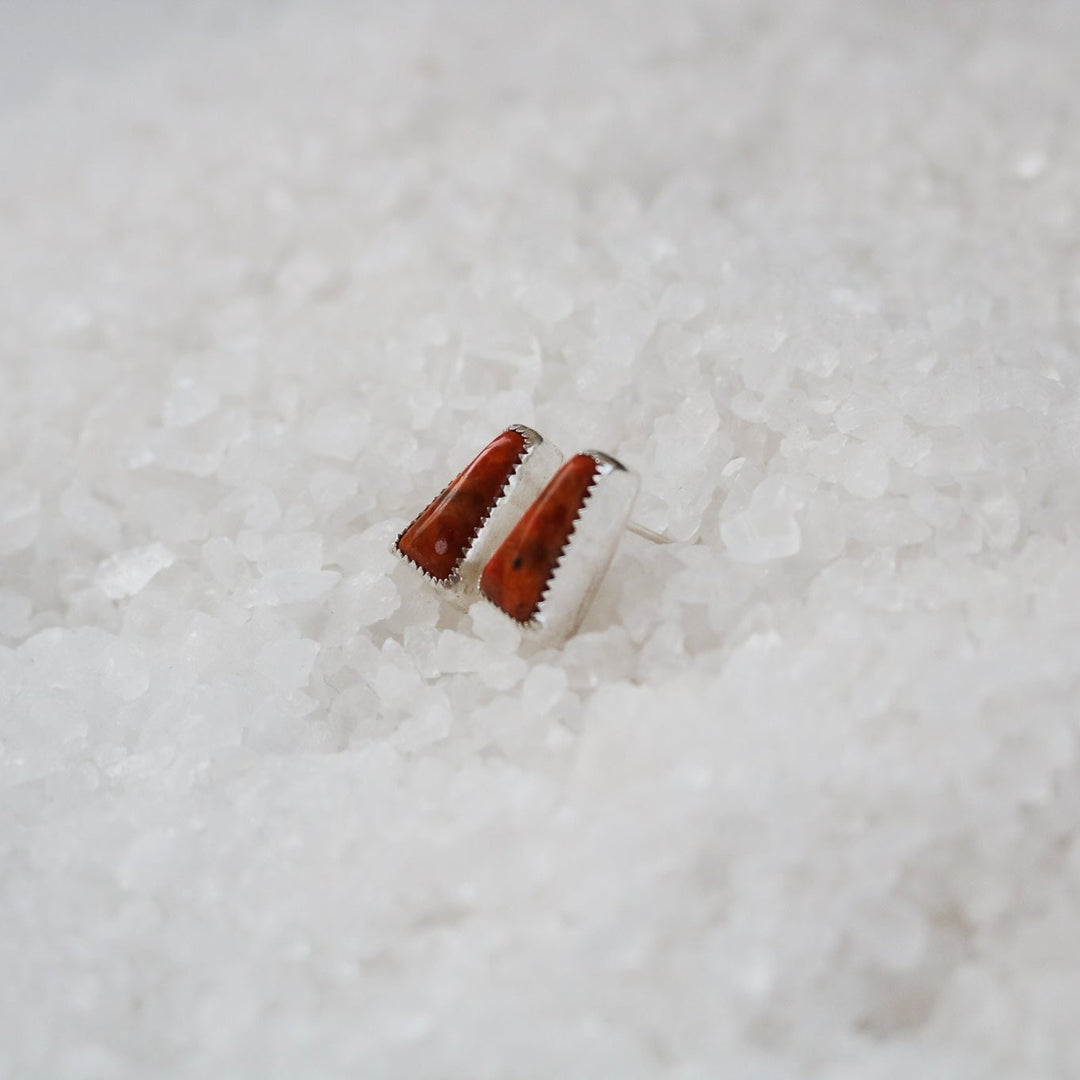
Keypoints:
pixel 525 531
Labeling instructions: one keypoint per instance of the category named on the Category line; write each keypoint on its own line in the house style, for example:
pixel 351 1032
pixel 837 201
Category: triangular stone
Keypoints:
pixel 518 574
pixel 439 539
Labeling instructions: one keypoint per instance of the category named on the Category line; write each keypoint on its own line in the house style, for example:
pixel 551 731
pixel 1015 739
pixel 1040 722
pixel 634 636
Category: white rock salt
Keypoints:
pixel 295 586
pixel 291 551
pixel 866 471
pixel 188 402
pixel 129 572
pixel 768 528
pixel 19 519
pixel 15 612
pixel 799 799
pixel 287 664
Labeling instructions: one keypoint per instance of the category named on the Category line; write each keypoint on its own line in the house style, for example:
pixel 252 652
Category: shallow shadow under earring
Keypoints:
pixel 450 541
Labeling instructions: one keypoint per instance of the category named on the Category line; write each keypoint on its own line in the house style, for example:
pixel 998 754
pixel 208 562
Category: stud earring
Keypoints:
pixel 547 570
pixel 454 536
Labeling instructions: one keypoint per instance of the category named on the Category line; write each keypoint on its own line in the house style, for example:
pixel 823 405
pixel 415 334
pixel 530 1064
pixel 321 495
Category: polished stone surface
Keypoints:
pixel 439 538
pixel 518 574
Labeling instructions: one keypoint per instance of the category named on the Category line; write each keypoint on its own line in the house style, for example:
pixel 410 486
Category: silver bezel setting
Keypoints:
pixel 587 555
pixel 538 462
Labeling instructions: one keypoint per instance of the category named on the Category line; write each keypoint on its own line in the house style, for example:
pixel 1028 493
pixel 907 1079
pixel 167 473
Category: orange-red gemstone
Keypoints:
pixel 519 572
pixel 439 538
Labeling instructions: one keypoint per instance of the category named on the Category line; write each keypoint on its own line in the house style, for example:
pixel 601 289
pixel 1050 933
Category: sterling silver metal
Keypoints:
pixel 604 516
pixel 538 463
pixel 647 534
pixel 588 553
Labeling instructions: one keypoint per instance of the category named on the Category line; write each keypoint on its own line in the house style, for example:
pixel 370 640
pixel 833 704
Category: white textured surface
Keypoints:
pixel 802 801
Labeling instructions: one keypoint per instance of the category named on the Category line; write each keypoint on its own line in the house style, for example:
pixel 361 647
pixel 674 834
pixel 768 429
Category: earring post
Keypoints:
pixel 648 534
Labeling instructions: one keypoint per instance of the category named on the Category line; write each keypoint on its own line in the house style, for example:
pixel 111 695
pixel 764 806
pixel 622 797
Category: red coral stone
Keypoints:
pixel 439 538
pixel 519 572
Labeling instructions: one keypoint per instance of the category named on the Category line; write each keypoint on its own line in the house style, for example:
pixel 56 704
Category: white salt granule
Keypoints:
pixel 768 528
pixel 188 402
pixel 19 521
pixel 129 572
pixel 294 586
pixel 125 672
pixel 366 599
pixel 332 489
pixel 15 612
pixel 290 551
pixel 798 800
pixel 865 470
pixel 287 664
pixel 338 431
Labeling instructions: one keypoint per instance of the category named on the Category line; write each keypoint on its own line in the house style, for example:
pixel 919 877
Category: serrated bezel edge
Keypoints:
pixel 608 465
pixel 450 583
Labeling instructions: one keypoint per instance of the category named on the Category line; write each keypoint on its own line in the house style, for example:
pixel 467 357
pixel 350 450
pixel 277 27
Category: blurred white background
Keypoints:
pixel 47 43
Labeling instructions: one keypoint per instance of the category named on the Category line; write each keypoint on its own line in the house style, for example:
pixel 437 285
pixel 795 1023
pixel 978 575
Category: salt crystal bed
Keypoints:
pixel 801 799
